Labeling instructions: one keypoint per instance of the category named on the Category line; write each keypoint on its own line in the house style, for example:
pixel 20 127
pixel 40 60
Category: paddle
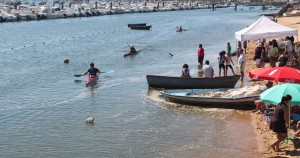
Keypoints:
pixel 108 71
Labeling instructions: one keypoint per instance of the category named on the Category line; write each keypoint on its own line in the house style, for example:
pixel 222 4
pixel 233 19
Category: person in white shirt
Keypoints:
pixel 242 64
pixel 208 70
pixel 289 48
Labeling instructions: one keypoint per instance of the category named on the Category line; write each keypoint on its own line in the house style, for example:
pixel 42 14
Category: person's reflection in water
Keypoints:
pixel 200 72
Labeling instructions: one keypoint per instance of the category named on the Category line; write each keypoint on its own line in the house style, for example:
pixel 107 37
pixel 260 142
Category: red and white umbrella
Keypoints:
pixel 276 74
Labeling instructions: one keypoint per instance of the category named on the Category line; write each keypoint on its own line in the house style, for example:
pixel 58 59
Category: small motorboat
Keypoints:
pixel 139 24
pixel 131 53
pixel 91 80
pixel 141 27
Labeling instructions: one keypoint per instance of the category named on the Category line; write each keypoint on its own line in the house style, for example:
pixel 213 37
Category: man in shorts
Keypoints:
pixel 222 60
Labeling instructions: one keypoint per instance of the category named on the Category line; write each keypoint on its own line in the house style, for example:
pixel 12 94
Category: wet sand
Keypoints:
pixel 264 135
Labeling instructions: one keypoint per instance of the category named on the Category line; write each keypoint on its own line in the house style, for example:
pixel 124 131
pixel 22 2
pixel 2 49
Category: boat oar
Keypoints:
pixel 108 71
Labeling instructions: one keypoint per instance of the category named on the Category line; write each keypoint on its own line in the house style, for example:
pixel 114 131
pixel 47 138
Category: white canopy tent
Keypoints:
pixel 264 28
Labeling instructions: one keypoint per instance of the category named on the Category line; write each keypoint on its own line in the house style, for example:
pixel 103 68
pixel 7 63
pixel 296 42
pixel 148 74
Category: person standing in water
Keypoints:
pixel 222 60
pixel 228 64
pixel 200 54
pixel 228 48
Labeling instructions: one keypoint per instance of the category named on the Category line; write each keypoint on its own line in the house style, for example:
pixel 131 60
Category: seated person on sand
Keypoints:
pixel 185 72
pixel 261 105
pixel 295 115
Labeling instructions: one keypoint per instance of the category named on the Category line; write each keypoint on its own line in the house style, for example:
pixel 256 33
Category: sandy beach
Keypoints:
pixel 264 135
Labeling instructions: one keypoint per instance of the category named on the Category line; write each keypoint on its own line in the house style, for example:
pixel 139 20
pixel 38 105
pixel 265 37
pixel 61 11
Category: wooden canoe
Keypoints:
pixel 214 102
pixel 138 24
pixel 192 83
pixel 141 27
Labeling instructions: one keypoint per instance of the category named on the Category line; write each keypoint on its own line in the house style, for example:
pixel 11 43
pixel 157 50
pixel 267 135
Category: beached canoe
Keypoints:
pixel 91 80
pixel 193 98
pixel 130 53
pixel 141 27
pixel 191 83
pixel 138 24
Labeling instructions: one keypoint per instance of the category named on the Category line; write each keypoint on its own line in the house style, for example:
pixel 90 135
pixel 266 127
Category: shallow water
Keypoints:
pixel 43 107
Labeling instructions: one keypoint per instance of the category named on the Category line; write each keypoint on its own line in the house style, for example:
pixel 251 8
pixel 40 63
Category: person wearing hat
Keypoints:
pixel 242 63
pixel 257 55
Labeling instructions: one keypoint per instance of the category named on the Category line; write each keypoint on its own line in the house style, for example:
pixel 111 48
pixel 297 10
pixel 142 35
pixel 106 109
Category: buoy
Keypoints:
pixel 12 48
pixel 89 120
pixel 43 42
pixel 66 61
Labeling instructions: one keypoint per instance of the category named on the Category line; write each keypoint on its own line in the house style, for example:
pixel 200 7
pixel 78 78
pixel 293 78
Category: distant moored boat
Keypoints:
pixel 141 27
pixel 139 24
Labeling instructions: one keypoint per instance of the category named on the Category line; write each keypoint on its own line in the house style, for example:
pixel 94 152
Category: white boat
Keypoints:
pixel 196 97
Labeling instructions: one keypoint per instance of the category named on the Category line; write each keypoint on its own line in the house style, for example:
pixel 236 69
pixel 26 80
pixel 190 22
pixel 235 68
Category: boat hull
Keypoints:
pixel 192 83
pixel 141 27
pixel 245 103
pixel 140 24
pixel 90 81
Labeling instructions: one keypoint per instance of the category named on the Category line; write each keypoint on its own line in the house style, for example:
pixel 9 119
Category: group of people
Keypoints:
pixel 262 52
pixel 271 52
pixel 224 60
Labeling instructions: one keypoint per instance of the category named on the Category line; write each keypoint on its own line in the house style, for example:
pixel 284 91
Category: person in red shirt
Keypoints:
pixel 200 54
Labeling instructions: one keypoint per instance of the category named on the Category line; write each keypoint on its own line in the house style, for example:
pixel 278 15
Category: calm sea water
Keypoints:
pixel 43 107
